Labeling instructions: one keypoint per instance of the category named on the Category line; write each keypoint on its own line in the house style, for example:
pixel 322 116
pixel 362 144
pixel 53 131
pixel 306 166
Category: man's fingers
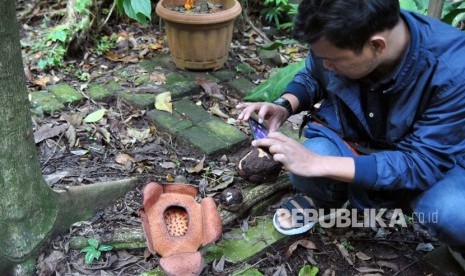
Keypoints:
pixel 262 113
pixel 246 113
pixel 279 157
pixel 278 136
pixel 265 142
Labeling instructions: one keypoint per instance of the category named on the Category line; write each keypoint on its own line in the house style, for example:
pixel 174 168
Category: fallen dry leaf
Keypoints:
pixel 390 265
pixel 42 81
pixel 305 243
pixel 218 266
pixel 139 135
pixel 123 158
pixel 163 102
pixel 167 165
pixel 74 119
pixel 368 269
pixel 155 46
pixel 122 58
pixel 362 256
pixel 197 168
pixel 48 131
pixel 169 178
pixel 291 50
pixel 211 89
pixel 71 136
pixel 106 134
pixel 215 110
pixel 157 77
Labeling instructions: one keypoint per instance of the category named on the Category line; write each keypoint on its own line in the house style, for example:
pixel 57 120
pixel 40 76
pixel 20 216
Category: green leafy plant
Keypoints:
pixel 53 48
pixel 453 11
pixel 139 10
pixel 81 75
pixel 308 270
pixel 269 90
pixel 105 43
pixel 420 6
pixel 347 245
pixel 94 250
pixel 281 12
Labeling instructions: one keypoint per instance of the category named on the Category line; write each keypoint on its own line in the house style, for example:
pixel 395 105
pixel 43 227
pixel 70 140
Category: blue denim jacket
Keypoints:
pixel 423 144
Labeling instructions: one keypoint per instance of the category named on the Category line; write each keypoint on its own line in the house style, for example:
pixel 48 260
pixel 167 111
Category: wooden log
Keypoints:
pixel 131 238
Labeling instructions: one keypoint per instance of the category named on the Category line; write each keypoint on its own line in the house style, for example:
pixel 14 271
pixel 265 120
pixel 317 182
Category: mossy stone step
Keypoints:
pixel 196 127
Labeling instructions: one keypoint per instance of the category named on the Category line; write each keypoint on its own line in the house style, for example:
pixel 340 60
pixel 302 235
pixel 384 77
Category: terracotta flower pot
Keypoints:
pixel 199 41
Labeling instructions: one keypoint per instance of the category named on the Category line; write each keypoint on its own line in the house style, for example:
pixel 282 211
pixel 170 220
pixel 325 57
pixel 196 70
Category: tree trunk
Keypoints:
pixel 30 212
pixel 435 8
pixel 27 206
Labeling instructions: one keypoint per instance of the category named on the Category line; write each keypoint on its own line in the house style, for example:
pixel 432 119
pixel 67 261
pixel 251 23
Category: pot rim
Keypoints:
pixel 199 19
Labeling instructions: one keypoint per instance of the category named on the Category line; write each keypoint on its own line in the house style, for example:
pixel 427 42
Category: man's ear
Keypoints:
pixel 378 43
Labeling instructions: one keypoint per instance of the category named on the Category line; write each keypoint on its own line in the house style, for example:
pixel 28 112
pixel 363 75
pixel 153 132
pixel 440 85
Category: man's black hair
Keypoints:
pixel 347 24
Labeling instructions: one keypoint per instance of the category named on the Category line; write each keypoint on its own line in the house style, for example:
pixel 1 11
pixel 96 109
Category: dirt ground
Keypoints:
pixel 158 157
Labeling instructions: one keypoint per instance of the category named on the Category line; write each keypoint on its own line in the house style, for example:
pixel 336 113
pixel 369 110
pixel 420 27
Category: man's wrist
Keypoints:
pixel 281 101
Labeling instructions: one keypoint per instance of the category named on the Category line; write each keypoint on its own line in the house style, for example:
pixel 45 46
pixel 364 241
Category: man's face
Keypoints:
pixel 345 62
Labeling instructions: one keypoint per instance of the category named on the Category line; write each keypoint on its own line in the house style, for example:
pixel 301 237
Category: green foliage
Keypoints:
pixel 308 270
pixel 281 12
pixel 105 43
pixel 53 49
pixel 139 10
pixel 55 41
pixel 420 6
pixel 94 251
pixel 83 76
pixel 347 245
pixel 269 90
pixel 276 44
pixel 453 11
pixel 81 5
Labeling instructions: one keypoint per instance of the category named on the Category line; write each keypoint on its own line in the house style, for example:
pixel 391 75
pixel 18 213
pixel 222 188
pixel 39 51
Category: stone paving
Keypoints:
pixel 189 123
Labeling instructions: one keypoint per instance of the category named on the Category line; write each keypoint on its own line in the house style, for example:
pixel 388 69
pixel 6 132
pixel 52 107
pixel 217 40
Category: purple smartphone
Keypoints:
pixel 259 131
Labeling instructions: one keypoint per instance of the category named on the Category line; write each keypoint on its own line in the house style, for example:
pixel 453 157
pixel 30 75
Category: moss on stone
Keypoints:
pixel 139 100
pixel 169 122
pixel 65 93
pixel 45 103
pixel 245 68
pixel 99 93
pixel 237 246
pixel 225 132
pixel 225 75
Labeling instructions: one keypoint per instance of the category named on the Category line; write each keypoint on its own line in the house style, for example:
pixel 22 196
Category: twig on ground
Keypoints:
pixel 405 268
pixel 389 240
pixel 109 13
pixel 257 30
pixel 54 149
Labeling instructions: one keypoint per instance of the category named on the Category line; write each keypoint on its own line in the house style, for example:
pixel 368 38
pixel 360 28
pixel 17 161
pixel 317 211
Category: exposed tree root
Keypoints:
pixel 81 202
pixel 134 238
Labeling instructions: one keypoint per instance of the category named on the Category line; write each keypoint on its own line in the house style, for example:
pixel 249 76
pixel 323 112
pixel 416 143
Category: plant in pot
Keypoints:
pixel 199 40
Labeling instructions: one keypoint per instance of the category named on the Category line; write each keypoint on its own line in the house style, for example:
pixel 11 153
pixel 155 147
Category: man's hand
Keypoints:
pixel 299 160
pixel 294 156
pixel 275 115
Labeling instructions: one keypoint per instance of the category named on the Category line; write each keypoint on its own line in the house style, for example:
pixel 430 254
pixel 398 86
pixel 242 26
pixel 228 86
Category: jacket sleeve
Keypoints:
pixel 435 145
pixel 304 85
